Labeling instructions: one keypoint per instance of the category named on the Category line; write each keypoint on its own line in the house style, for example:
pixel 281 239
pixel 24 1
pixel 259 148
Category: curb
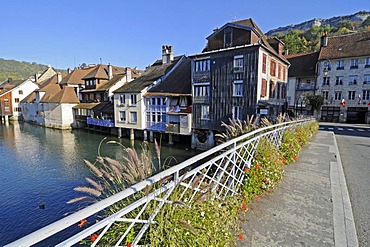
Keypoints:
pixel 344 224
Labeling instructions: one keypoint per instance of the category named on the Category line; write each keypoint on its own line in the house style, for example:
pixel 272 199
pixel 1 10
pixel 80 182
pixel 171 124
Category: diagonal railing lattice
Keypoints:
pixel 218 172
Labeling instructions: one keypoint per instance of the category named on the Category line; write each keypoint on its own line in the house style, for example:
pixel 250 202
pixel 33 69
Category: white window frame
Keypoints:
pixel 354 63
pixel 325 94
pixel 237 113
pixel 326 81
pixel 204 112
pixel 352 80
pixel 338 95
pixel 340 64
pixel 367 62
pixel 122 99
pixel 366 79
pixel 202 89
pixel 351 95
pixel 339 80
pixel 133 99
pixel 133 117
pixel 366 94
pixel 238 88
pixel 122 117
pixel 203 65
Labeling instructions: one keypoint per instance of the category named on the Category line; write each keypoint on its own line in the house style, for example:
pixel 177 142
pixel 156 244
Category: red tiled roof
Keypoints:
pixel 350 45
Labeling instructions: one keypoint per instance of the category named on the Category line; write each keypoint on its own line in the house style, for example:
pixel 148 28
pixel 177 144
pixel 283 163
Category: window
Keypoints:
pixel 204 112
pixel 201 90
pixel 327 66
pixel 273 68
pixel 16 100
pixel 367 62
pixel 338 95
pixel 237 113
pixel 20 92
pixel 279 71
pixel 133 99
pixel 340 65
pixel 228 37
pixel 122 99
pixel 264 88
pixel 326 81
pixel 17 109
pixel 366 79
pixel 325 95
pixel 272 89
pixel 238 63
pixel 133 117
pixel 351 95
pixel 278 91
pixel 352 80
pixel 354 64
pixel 366 94
pixel 264 63
pixel 238 88
pixel 202 65
pixel 122 116
pixel 339 80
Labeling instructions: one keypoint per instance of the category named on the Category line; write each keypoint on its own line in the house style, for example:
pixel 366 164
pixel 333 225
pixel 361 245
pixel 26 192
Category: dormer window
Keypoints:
pixel 228 37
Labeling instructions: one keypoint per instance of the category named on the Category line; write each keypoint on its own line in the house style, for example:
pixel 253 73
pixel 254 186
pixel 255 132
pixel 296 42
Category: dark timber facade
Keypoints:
pixel 237 74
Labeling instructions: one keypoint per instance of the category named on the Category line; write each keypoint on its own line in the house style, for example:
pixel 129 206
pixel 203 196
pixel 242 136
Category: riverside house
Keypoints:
pixel 13 92
pixel 343 77
pixel 96 110
pixel 51 105
pixel 301 81
pixel 130 108
pixel 168 104
pixel 238 73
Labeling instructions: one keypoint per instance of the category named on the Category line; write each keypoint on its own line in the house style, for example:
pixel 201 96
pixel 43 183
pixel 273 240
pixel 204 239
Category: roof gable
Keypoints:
pixel 302 64
pixel 152 74
pixel 178 82
pixel 65 95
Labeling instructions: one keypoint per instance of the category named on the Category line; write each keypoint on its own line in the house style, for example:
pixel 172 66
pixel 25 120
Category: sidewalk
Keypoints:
pixel 310 207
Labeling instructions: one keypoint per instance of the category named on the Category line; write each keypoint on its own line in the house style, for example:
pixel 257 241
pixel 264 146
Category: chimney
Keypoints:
pixel 36 78
pixel 128 74
pixel 110 72
pixel 69 71
pixel 10 80
pixel 167 54
pixel 59 78
pixel 324 39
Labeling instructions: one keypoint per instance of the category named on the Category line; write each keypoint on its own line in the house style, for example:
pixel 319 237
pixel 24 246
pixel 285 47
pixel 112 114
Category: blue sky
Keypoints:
pixel 67 33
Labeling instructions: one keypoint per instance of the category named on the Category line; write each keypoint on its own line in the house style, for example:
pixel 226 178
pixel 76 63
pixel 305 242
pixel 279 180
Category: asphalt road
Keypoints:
pixel 354 148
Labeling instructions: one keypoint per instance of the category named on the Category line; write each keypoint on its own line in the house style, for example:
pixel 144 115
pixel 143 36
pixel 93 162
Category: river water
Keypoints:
pixel 39 168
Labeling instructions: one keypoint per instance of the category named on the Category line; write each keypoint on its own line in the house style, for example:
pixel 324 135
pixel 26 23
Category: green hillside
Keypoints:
pixel 19 70
pixel 300 41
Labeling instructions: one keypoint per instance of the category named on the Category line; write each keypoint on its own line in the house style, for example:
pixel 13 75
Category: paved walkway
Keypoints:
pixel 310 207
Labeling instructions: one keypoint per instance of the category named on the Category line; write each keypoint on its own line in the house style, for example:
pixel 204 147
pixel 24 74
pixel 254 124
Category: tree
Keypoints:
pixel 366 22
pixel 316 101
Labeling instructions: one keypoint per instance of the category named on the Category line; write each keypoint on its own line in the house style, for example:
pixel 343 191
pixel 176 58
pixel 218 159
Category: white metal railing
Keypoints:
pixel 221 168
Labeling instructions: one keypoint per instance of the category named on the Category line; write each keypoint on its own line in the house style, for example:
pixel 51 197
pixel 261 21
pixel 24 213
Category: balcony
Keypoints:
pixel 201 100
pixel 238 69
pixel 305 87
pixel 100 122
pixel 202 76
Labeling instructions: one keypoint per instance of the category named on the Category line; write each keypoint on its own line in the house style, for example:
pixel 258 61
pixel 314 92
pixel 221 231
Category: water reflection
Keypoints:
pixel 41 166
